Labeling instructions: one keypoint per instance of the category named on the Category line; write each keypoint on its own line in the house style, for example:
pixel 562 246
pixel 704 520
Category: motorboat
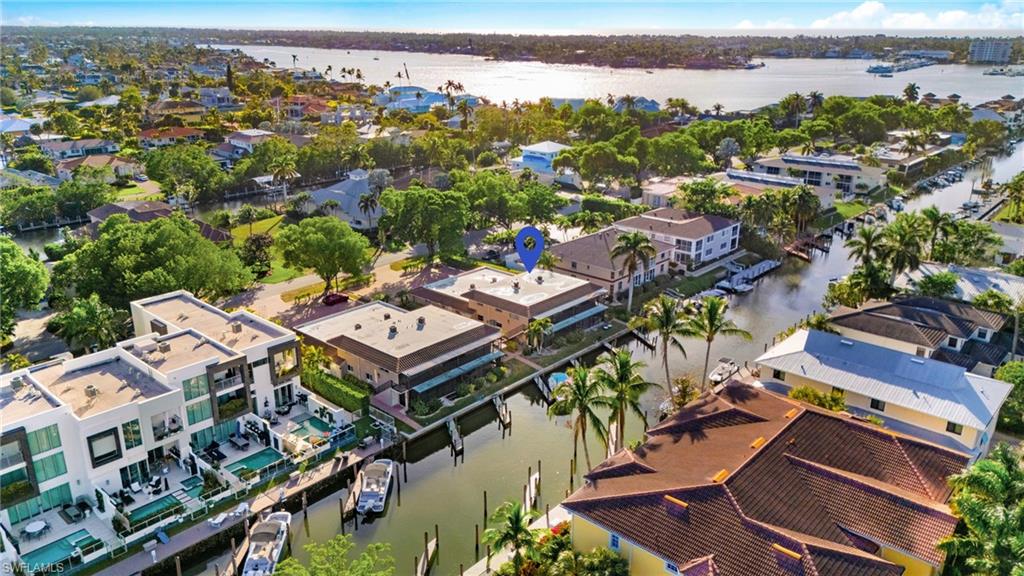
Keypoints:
pixel 376 482
pixel 971 205
pixel 266 544
pixel 742 288
pixel 725 369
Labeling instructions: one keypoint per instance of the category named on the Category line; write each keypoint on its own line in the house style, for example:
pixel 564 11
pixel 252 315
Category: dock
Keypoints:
pixel 531 492
pixel 352 498
pixel 456 436
pixel 544 388
pixel 486 566
pixel 504 415
pixel 424 563
pixel 641 338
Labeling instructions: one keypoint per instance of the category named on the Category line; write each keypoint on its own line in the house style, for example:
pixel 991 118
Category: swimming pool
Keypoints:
pixel 58 551
pixel 557 378
pixel 150 509
pixel 193 486
pixel 312 426
pixel 256 462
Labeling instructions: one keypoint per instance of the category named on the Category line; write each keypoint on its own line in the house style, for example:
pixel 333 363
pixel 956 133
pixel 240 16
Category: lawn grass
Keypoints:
pixel 279 272
pixel 349 283
pixel 516 371
pixel 1006 214
pixel 690 285
pixel 135 192
pixel 590 338
pixel 460 262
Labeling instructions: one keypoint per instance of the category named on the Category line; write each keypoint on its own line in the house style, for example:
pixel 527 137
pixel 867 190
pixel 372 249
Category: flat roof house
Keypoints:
pixel 743 482
pixel 838 173
pixel 696 239
pixel 538 159
pixel 970 281
pixel 407 354
pixel 932 400
pixel 953 332
pixel 589 258
pixel 510 301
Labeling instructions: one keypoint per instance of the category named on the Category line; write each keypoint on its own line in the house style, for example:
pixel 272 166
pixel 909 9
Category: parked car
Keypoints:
pixel 141 178
pixel 492 255
pixel 335 298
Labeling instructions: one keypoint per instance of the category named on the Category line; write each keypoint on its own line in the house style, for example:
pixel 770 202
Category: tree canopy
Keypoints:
pixel 23 284
pixel 326 245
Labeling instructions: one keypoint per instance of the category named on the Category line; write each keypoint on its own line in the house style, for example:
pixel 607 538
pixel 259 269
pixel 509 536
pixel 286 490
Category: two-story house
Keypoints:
pixel 539 158
pixel 841 174
pixel 169 136
pixel 589 258
pixel 66 149
pixel 696 239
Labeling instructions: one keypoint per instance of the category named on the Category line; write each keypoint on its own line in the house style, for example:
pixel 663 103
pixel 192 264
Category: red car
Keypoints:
pixel 335 298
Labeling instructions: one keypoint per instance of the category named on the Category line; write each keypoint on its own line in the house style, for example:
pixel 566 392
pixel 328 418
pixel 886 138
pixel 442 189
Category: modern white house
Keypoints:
pixel 932 400
pixel 539 157
pixel 248 139
pixel 348 194
pixel 99 451
pixel 696 239
pixel 839 173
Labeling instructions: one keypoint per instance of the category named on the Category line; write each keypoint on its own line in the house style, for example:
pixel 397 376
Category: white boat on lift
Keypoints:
pixel 726 369
pixel 266 544
pixel 376 483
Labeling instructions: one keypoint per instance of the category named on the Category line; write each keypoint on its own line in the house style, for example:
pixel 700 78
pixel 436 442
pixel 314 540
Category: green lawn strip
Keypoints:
pixel 460 262
pixel 279 272
pixel 516 371
pixel 349 283
pixel 589 338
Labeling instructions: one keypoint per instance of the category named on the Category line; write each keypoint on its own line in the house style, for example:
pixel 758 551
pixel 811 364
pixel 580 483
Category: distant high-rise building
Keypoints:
pixel 990 51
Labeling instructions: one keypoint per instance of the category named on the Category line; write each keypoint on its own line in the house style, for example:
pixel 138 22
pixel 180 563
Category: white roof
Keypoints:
pixel 972 281
pixel 546 147
pixel 921 384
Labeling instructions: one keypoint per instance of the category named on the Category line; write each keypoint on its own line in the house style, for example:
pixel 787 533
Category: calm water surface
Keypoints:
pixel 734 89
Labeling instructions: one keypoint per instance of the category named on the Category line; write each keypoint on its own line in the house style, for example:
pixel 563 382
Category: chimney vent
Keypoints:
pixel 236 327
pixel 164 347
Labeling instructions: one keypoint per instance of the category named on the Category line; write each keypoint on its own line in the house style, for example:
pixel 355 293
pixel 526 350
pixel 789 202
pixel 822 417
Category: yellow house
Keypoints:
pixel 747 482
pixel 922 397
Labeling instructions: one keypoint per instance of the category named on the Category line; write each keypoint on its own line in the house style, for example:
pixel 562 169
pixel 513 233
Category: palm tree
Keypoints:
pixel 903 243
pixel 717 109
pixel 283 170
pixel 910 92
pixel 866 245
pixel 814 100
pixel 535 331
pixel 247 214
pixel 667 321
pixel 1014 190
pixel 513 531
pixel 618 374
pixel 547 260
pixel 939 225
pixel 635 249
pixel 367 204
pixel 330 206
pixel 988 498
pixel 90 324
pixel 806 205
pixel 295 60
pixel 576 397
pixel 710 322
pixel 188 192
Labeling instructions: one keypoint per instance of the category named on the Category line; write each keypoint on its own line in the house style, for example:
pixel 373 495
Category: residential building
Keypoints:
pixel 405 355
pixel 697 239
pixel 348 193
pixel 838 173
pixel 925 398
pixel 1013 241
pixel 143 211
pixel 511 301
pixel 658 192
pixel 248 139
pixel 298 106
pixel 940 55
pixel 355 113
pixel 65 149
pixel 218 97
pixel 970 281
pixel 17 125
pixel 120 168
pixel 392 134
pixel 589 258
pixel 989 51
pixel 12 178
pixel 539 158
pixel 954 332
pixel 743 482
pixel 104 102
pixel 895 155
pixel 638 103
pixel 226 154
pixel 187 110
pixel 169 136
pixel 746 183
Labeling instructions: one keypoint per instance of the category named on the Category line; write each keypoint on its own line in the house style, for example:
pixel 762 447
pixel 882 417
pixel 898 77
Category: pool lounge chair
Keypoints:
pixel 134 486
pixel 216 522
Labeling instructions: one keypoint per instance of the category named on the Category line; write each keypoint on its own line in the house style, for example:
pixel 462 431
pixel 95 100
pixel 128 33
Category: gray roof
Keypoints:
pixel 972 281
pixel 1012 235
pixel 921 384
pixel 347 193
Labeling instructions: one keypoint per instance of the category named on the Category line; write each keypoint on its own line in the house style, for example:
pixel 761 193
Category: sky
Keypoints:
pixel 1000 17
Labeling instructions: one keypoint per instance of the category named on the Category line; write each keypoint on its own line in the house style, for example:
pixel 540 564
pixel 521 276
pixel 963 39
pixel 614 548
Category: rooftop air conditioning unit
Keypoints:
pixel 387 316
pixel 515 284
pixel 421 320
pixel 540 279
pixel 358 326
pixel 393 330
pixel 236 327
pixel 91 391
pixel 472 286
pixel 164 347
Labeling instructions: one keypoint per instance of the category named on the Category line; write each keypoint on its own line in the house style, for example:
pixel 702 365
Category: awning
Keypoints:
pixel 456 372
pixel 597 309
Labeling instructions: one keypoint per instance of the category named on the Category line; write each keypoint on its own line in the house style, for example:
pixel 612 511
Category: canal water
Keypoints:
pixel 734 89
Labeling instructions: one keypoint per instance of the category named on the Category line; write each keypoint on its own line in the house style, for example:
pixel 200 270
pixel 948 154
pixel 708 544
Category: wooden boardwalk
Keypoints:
pixel 425 562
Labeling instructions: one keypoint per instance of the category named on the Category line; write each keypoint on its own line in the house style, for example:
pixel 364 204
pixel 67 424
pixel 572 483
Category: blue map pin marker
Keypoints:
pixel 529 255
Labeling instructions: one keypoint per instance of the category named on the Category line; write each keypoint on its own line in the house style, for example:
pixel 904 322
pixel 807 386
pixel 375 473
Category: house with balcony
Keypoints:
pixel 405 355
pixel 837 173
pixel 539 158
pixel 935 401
pixel 511 301
pixel 355 113
pixel 589 258
pixel 697 239
pixel 744 482
pixel 248 139
pixel 67 149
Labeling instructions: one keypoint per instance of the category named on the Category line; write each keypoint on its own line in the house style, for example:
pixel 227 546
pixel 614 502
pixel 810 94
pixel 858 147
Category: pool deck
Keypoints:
pixel 134 564
pixel 60 529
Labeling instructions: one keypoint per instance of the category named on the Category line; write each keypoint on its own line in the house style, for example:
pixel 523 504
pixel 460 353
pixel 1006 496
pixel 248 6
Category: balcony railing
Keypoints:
pixel 226 383
pixel 165 431
pixel 11 460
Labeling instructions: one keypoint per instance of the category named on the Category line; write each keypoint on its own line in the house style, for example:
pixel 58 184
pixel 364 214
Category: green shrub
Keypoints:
pixel 348 392
pixel 832 401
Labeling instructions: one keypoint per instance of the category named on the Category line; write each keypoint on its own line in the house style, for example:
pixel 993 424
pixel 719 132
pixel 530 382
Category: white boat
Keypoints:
pixel 971 205
pixel 376 482
pixel 725 369
pixel 266 543
pixel 743 288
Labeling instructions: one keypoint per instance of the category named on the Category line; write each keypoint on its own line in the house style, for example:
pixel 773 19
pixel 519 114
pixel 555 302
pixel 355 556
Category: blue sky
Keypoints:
pixel 524 16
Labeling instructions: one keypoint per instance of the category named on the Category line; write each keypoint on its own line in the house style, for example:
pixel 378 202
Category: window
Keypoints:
pixel 877 404
pixel 982 334
pixel 707 252
pixel 44 439
pixel 733 244
pixel 772 170
pixel 671 568
pixel 195 387
pixel 638 279
pixel 723 245
pixel 199 411
pixel 952 342
pixel 259 363
pixel 104 447
pixel 954 428
pixel 735 231
pixel 779 375
pixel 921 351
pixel 132 434
pixel 613 541
pixel 573 264
pixel 699 245
pixel 50 467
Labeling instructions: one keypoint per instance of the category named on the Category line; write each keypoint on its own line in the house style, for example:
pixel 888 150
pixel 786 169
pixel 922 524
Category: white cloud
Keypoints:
pixel 781 23
pixel 34 21
pixel 874 14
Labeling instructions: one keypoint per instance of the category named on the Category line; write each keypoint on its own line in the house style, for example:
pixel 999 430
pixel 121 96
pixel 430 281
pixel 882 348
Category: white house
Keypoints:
pixel 697 239
pixel 839 173
pixel 248 139
pixel 538 158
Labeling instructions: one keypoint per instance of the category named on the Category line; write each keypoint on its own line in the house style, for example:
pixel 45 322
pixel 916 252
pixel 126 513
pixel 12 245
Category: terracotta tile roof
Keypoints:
pixel 170 132
pixel 676 223
pixel 755 470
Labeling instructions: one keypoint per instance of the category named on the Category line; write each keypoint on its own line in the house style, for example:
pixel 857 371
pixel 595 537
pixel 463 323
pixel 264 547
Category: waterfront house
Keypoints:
pixel 12 178
pixel 589 258
pixel 17 125
pixel 936 401
pixel 658 192
pixel 405 355
pixel 347 193
pixel 187 110
pixel 743 482
pixel 538 158
pixel 697 239
pixel 169 136
pixel 893 154
pixel 511 301
pixel 65 149
pixel 834 172
pixel 970 281
pixel 143 211
pixel 248 139
pixel 638 103
pixel 120 168
pixel 1013 241
pixel 954 332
